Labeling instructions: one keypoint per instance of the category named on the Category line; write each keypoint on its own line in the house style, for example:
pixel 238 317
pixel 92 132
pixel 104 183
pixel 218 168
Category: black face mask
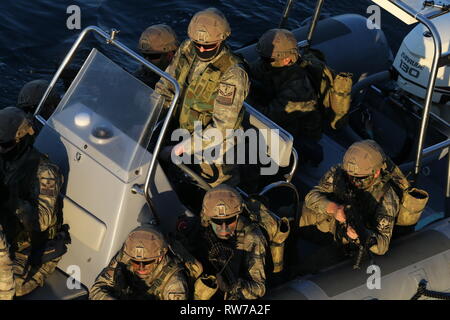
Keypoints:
pixel 208 55
pixel 19 149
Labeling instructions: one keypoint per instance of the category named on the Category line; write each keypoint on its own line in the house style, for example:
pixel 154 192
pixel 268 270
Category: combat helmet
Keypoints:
pixel 278 44
pixel 363 158
pixel 31 94
pixel 208 26
pixel 145 243
pixel 221 202
pixel 159 38
pixel 14 125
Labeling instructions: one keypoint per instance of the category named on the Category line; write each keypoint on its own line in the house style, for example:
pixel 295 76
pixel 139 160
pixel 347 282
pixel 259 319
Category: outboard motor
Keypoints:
pixel 413 63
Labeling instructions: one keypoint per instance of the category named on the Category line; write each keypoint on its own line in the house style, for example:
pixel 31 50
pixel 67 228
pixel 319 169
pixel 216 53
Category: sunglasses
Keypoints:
pixel 143 264
pixel 360 178
pixel 8 144
pixel 227 221
pixel 153 56
pixel 206 47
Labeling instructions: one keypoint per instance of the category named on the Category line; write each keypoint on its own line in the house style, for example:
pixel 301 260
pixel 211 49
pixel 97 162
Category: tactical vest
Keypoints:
pixel 365 203
pixel 16 183
pixel 334 89
pixel 21 182
pixel 135 288
pixel 198 96
pixel 159 284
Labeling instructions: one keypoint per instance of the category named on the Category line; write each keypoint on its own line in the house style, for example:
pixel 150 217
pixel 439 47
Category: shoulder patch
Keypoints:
pixel 48 187
pixel 226 94
pixel 384 222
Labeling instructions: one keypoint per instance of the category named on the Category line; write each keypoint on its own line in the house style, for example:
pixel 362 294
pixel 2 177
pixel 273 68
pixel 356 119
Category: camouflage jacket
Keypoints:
pixel 379 206
pixel 212 92
pixel 117 281
pixel 248 261
pixel 287 97
pixel 252 276
pixel 30 201
pixel 31 217
pixel 7 287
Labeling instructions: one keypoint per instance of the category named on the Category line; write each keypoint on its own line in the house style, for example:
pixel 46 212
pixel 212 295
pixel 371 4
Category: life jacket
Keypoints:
pixel 334 89
pixel 198 95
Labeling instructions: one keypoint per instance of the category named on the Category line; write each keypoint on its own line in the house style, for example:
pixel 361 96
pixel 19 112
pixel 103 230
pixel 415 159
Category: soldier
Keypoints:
pixel 31 94
pixel 230 246
pixel 355 201
pixel 214 87
pixel 29 204
pixel 157 44
pixel 282 91
pixel 142 269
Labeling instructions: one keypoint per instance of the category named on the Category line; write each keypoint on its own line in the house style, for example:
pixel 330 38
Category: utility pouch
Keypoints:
pixel 277 244
pixel 277 230
pixel 411 207
pixel 205 287
pixel 341 96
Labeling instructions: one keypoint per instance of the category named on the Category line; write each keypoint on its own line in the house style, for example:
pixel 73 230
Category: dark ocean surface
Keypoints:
pixel 34 37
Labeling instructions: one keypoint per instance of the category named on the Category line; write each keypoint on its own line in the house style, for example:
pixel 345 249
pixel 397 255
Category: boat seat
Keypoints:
pixel 278 151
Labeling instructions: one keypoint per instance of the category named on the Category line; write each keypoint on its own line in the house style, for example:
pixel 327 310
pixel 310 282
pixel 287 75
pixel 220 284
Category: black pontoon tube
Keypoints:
pixel 370 80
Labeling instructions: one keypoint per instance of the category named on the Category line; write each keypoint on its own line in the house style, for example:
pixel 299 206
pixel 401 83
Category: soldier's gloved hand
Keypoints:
pixel 25 213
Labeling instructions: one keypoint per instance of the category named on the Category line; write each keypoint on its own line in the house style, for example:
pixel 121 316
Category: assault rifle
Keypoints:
pixel 220 256
pixel 354 219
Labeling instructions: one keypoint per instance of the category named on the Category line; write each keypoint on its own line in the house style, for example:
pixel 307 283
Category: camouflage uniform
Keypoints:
pixel 117 281
pixel 284 93
pixel 379 206
pixel 7 286
pixel 251 245
pixel 31 216
pixel 240 256
pixel 212 92
pixel 286 96
pixel 36 194
pixel 248 263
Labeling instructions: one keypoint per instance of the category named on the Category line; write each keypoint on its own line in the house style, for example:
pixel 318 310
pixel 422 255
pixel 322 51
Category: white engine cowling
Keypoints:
pixel 415 56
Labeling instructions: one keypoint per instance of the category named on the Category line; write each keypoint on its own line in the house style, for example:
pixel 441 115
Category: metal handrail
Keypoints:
pixel 431 82
pixel 314 20
pixel 290 175
pixel 110 39
pixel 289 185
